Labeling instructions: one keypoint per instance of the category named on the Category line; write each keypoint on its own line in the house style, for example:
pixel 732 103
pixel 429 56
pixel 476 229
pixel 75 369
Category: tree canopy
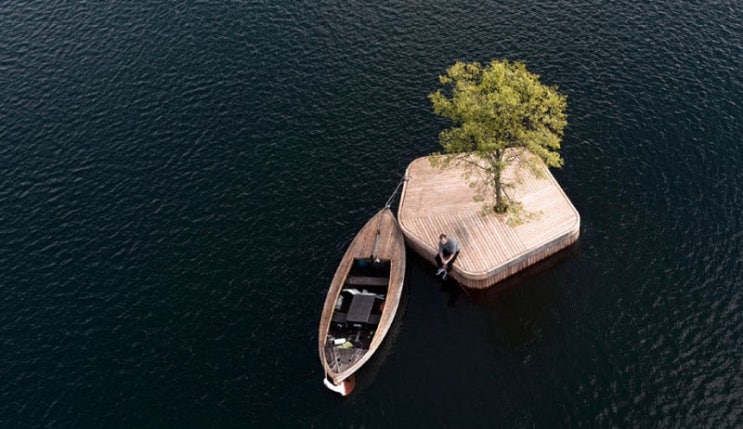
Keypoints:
pixel 500 113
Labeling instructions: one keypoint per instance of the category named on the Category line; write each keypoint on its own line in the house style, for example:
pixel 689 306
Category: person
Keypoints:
pixel 448 252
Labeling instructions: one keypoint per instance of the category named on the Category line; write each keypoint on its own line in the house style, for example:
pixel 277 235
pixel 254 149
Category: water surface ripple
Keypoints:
pixel 179 181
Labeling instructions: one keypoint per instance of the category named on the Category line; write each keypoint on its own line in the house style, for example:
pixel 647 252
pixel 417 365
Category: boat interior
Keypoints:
pixel 358 311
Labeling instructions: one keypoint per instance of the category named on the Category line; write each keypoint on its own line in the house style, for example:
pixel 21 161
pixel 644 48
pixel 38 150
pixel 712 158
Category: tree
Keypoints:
pixel 501 113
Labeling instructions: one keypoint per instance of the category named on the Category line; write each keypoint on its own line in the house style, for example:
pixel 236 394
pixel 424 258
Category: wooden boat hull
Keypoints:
pixel 374 262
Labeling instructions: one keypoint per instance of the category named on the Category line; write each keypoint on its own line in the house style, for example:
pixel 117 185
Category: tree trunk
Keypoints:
pixel 500 202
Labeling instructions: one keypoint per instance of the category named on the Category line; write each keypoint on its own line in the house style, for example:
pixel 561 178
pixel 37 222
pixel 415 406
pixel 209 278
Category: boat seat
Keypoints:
pixel 367 281
pixel 374 319
pixel 339 317
pixel 360 309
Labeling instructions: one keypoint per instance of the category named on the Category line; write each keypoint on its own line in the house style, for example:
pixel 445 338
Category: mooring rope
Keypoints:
pixel 389 200
pixel 379 222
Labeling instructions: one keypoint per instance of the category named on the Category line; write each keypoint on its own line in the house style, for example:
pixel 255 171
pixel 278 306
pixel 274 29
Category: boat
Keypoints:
pixel 362 300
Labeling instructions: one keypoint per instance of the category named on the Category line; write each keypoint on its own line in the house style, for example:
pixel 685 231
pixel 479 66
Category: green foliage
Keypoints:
pixel 518 215
pixel 501 113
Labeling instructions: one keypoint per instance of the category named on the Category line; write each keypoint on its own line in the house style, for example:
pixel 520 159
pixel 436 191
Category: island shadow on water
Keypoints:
pixel 367 375
pixel 455 290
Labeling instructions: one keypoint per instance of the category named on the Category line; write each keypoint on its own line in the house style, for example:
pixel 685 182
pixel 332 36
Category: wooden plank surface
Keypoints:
pixel 435 201
pixel 366 281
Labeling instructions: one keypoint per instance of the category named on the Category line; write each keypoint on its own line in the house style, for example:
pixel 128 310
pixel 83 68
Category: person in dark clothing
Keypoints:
pixel 448 252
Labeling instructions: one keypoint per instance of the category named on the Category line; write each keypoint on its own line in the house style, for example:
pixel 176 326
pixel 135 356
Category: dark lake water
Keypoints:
pixel 179 181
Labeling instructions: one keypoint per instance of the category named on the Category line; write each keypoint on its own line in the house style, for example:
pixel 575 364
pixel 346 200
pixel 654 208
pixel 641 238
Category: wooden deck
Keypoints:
pixel 435 201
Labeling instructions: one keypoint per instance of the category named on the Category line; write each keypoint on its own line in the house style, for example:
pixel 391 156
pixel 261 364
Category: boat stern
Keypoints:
pixel 344 388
